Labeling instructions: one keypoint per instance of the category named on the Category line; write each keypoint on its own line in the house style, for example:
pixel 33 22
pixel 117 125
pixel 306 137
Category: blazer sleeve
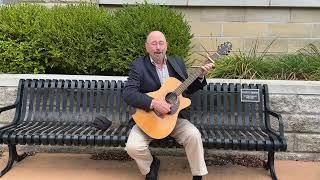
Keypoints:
pixel 131 92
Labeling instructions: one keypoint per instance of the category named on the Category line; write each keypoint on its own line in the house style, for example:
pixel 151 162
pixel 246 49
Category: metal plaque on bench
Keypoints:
pixel 250 95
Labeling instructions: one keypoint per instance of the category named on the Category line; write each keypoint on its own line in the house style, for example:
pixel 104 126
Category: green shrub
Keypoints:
pixel 70 40
pixel 20 46
pixel 131 26
pixel 77 39
pixel 83 39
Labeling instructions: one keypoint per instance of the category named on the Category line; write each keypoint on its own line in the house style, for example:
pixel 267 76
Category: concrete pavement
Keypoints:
pixel 63 166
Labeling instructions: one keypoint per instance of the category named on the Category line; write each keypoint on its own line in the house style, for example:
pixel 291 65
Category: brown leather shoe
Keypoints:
pixel 154 169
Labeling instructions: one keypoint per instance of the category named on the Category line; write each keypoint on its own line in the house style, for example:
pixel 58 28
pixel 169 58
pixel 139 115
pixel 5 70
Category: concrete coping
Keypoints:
pixel 241 3
pixel 275 86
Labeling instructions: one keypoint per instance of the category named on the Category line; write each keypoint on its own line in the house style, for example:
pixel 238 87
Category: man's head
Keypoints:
pixel 156 46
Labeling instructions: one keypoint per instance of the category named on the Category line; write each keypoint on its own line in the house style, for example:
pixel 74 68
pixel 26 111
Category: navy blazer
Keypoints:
pixel 143 78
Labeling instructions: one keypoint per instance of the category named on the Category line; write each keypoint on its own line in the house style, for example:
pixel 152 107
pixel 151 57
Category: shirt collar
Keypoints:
pixel 164 62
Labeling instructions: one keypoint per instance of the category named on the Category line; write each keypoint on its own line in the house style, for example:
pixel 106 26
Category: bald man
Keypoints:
pixel 146 74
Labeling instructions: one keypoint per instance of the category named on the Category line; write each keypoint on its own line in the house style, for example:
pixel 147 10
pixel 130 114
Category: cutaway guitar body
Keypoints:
pixel 156 126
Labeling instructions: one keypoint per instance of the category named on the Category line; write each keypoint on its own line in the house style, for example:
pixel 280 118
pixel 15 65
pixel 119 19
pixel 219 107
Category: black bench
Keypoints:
pixel 59 112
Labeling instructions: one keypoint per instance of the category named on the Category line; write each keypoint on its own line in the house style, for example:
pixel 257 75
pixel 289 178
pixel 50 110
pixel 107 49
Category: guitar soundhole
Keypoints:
pixel 172 99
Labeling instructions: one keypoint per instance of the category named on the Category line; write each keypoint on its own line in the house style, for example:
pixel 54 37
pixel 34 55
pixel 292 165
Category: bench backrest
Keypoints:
pixel 71 100
pixel 217 105
pixel 221 105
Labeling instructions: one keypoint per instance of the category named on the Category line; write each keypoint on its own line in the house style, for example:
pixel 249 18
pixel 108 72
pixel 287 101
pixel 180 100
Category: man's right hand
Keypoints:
pixel 160 107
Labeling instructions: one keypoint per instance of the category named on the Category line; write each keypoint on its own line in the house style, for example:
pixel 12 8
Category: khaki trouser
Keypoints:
pixel 185 134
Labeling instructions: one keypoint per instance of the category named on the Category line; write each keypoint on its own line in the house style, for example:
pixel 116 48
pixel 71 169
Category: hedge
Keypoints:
pixel 84 38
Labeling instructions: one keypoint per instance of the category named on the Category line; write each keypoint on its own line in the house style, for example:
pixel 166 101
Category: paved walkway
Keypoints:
pixel 62 166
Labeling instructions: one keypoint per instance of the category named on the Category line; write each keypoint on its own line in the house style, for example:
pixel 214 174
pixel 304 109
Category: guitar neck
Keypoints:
pixel 193 77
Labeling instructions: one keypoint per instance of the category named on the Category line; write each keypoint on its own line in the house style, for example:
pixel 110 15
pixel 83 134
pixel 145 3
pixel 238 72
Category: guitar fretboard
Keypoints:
pixel 179 90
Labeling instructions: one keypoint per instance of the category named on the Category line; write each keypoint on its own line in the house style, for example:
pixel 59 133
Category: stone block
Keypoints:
pixel 290 137
pixel 236 29
pixel 303 15
pixel 283 103
pixel 308 104
pixel 7 95
pixel 301 123
pixel 296 44
pixel 307 143
pixel 267 15
pixel 206 29
pixel 316 31
pixel 295 3
pixel 7 116
pixel 285 30
pixel 190 14
pixel 272 45
pixel 229 14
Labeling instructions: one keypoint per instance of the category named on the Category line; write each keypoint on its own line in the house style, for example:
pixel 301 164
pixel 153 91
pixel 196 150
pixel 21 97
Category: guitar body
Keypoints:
pixel 160 127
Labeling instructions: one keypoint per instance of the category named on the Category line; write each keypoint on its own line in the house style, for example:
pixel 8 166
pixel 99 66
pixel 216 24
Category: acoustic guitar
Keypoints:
pixel 157 126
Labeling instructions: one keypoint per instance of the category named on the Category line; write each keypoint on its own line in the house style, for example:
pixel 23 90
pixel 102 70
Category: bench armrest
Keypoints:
pixel 6 108
pixel 279 117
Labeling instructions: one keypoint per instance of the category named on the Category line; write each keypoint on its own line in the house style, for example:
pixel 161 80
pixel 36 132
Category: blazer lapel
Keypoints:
pixel 176 67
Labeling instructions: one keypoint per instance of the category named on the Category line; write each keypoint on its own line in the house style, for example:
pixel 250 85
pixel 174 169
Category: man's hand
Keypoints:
pixel 205 69
pixel 160 107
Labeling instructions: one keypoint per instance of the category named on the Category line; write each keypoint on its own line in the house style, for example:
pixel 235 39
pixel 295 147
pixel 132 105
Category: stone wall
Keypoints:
pixel 290 24
pixel 297 101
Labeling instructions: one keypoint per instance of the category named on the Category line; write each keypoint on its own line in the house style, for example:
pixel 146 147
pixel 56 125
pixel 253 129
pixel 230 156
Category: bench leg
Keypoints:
pixel 270 165
pixel 13 156
pixel 18 157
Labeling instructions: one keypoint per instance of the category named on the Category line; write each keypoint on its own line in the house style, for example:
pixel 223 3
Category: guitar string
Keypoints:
pixel 192 77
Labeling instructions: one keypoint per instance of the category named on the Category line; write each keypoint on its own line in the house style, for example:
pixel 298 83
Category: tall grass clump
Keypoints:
pixel 302 65
pixel 242 65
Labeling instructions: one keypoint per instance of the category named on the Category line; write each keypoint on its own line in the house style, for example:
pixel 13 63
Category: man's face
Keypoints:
pixel 156 46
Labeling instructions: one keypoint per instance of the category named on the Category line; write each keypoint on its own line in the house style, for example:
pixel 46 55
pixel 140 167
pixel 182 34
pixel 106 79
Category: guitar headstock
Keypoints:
pixel 223 49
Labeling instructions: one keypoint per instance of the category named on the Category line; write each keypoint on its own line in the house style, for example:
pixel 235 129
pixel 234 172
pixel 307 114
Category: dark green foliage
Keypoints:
pixel 83 39
pixel 133 23
pixel 76 39
pixel 20 45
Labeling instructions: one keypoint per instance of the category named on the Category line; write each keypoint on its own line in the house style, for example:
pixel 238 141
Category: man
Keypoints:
pixel 146 75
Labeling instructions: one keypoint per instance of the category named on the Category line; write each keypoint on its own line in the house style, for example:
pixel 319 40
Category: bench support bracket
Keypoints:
pixel 270 165
pixel 13 156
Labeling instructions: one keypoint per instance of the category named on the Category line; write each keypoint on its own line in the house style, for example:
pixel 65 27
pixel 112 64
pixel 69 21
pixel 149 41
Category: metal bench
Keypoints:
pixel 59 112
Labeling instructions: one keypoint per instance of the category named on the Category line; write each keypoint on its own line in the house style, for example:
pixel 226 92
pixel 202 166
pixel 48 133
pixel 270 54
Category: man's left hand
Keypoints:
pixel 205 69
